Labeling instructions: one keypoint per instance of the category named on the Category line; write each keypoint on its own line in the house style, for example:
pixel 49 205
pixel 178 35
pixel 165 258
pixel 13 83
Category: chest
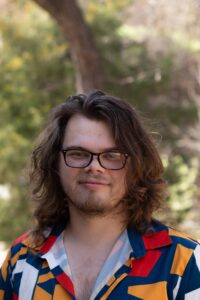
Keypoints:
pixel 84 274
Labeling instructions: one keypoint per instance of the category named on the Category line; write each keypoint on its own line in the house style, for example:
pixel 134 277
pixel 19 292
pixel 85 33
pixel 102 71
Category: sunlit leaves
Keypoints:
pixel 36 73
pixel 140 64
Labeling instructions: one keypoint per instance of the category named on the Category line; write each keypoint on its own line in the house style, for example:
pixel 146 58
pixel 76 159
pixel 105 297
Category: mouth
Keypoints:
pixel 92 184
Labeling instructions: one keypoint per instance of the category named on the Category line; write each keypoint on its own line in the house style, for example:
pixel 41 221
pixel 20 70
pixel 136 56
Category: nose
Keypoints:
pixel 94 165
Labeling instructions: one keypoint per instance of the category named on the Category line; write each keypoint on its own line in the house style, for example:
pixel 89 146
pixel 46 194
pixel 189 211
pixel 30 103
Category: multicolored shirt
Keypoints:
pixel 163 264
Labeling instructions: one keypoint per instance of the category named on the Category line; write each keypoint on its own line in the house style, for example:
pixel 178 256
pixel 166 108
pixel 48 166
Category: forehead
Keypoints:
pixel 88 133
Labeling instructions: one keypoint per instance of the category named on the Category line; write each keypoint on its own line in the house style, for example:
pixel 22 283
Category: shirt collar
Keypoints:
pixel 51 236
pixel 157 237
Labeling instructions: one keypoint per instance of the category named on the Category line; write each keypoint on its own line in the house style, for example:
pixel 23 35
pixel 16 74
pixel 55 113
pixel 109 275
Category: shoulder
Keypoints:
pixel 171 242
pixel 183 250
pixel 178 249
pixel 185 264
pixel 186 252
pixel 27 243
pixel 16 253
pixel 21 240
pixel 176 236
pixel 20 247
pixel 183 239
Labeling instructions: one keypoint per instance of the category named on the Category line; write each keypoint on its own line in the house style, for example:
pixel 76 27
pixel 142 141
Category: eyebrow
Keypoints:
pixel 85 149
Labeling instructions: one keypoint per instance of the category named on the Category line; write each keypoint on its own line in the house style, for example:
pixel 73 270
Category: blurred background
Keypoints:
pixel 145 51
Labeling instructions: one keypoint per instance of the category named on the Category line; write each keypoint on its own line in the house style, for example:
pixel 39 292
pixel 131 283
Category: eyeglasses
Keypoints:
pixel 78 158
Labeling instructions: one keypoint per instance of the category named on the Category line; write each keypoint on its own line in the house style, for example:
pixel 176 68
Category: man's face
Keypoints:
pixel 93 189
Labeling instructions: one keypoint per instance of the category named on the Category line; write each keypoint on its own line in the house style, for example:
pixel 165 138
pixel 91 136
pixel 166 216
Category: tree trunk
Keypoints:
pixel 68 15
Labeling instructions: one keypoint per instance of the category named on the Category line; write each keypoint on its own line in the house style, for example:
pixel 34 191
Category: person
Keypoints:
pixel 97 179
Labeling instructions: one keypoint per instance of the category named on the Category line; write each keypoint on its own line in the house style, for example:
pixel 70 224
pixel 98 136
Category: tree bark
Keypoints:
pixel 68 15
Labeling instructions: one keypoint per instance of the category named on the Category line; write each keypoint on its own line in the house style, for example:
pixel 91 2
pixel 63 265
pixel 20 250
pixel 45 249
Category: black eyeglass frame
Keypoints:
pixel 64 151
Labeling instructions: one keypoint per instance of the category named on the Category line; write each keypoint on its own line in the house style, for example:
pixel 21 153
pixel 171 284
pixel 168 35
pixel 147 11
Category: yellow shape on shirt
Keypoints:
pixel 154 291
pixel 181 258
pixel 41 294
pixel 60 293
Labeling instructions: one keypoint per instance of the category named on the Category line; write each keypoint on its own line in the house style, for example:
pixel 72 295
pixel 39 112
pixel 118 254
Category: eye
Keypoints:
pixel 111 156
pixel 77 154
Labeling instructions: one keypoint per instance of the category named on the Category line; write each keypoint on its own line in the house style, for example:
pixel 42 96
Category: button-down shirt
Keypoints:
pixel 163 264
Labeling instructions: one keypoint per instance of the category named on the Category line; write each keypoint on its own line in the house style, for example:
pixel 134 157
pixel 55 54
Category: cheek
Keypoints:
pixel 67 175
pixel 120 182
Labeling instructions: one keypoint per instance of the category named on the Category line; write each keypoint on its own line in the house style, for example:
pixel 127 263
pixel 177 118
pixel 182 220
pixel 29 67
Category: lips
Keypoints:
pixel 92 186
pixel 93 183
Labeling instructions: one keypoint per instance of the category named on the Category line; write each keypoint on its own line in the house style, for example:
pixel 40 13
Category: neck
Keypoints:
pixel 93 230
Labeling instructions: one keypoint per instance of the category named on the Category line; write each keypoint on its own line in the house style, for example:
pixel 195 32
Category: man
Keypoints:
pixel 96 180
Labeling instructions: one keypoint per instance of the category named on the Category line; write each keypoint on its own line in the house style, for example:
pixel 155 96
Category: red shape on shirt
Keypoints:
pixel 48 244
pixel 65 281
pixel 156 239
pixel 143 266
pixel 15 297
pixel 20 239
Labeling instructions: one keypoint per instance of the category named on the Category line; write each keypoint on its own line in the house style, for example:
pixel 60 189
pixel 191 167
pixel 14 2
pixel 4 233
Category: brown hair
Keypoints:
pixel 145 183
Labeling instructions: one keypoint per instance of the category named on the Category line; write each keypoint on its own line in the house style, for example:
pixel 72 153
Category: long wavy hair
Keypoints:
pixel 146 188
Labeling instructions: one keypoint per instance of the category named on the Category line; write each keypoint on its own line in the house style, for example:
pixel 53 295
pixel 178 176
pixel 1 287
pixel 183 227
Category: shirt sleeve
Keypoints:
pixel 6 291
pixel 190 282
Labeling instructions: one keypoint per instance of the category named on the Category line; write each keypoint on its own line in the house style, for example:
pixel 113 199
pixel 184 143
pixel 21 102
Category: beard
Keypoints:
pixel 93 205
pixel 88 208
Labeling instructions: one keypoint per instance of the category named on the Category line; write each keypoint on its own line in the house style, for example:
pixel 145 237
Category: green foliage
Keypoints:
pixel 15 215
pixel 36 73
pixel 34 78
pixel 130 72
pixel 104 8
pixel 134 74
pixel 181 176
